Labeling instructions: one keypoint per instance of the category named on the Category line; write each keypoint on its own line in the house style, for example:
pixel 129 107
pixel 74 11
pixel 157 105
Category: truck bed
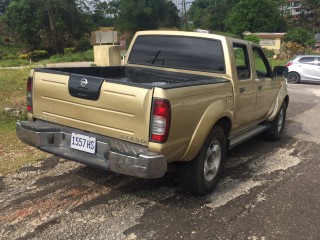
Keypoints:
pixel 142 77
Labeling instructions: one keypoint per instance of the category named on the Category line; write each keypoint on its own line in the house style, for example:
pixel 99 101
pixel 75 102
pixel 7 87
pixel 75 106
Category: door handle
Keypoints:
pixel 242 90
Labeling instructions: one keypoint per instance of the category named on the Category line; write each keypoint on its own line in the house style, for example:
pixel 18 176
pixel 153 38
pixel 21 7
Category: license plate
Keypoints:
pixel 83 143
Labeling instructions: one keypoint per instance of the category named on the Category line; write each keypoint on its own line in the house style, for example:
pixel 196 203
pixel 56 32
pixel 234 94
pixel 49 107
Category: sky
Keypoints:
pixel 179 3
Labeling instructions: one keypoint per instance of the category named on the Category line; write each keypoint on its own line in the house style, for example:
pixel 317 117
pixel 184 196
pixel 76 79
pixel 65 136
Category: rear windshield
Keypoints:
pixel 199 54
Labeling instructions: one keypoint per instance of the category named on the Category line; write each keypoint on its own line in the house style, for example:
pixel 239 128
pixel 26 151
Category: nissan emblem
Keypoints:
pixel 83 82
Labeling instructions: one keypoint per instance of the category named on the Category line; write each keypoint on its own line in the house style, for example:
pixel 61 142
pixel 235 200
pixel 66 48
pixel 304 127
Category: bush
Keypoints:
pixel 252 38
pixel 269 53
pixel 83 44
pixel 24 56
pixel 68 51
pixel 9 56
pixel 37 55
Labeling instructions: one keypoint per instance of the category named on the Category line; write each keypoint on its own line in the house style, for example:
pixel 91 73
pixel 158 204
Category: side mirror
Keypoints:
pixel 280 71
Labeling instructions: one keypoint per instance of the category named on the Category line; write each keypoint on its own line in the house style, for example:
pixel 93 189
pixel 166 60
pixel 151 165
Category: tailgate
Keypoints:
pixel 94 105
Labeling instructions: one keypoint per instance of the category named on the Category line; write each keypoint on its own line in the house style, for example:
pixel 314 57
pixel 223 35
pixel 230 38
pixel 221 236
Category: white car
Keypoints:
pixel 304 68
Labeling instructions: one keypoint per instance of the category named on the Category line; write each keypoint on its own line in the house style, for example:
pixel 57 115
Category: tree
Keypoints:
pixel 48 24
pixel 252 38
pixel 22 19
pixel 210 14
pixel 312 6
pixel 146 14
pixel 300 36
pixel 253 16
pixel 3 5
pixel 196 11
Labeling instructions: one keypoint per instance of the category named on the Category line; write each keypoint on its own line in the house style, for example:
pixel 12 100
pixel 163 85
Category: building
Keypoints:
pixel 272 41
pixel 294 7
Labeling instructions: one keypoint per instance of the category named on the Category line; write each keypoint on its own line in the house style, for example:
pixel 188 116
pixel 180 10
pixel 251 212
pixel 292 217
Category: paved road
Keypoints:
pixel 270 191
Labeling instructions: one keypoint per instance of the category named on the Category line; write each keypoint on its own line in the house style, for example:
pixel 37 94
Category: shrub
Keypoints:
pixel 38 55
pixel 294 48
pixel 10 56
pixel 68 51
pixel 24 56
pixel 269 53
pixel 83 44
pixel 252 38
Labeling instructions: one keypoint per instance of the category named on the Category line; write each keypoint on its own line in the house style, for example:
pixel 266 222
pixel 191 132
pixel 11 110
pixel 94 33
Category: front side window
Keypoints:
pixel 190 53
pixel 263 68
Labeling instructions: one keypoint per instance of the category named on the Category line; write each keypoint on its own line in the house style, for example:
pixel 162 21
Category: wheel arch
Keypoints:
pixel 203 130
pixel 282 97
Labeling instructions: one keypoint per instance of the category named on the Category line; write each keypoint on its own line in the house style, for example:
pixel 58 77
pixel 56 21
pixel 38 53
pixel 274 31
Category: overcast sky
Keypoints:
pixel 179 3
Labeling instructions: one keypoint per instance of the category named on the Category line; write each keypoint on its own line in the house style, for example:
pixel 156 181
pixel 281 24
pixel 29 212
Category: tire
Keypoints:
pixel 201 175
pixel 274 133
pixel 293 77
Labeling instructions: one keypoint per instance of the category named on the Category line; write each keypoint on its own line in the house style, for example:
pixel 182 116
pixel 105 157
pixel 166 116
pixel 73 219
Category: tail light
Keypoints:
pixel 29 94
pixel 288 64
pixel 160 120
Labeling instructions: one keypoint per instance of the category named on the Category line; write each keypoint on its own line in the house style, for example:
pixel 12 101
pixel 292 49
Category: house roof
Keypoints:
pixel 270 35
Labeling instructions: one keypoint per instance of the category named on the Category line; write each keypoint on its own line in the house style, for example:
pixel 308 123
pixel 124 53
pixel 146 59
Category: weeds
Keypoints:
pixel 13 153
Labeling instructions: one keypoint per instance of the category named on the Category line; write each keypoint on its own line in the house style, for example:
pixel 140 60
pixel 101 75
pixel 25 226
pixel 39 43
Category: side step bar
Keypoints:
pixel 236 140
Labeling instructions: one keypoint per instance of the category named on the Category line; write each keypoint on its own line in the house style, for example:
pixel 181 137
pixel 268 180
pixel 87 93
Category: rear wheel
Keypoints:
pixel 202 174
pixel 277 125
pixel 293 77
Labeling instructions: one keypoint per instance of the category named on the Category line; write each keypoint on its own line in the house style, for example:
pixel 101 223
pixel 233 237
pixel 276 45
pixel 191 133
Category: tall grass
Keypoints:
pixel 12 94
pixel 14 153
pixel 74 57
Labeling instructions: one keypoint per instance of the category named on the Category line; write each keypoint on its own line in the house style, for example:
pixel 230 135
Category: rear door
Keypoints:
pixel 93 104
pixel 308 67
pixel 318 69
pixel 267 86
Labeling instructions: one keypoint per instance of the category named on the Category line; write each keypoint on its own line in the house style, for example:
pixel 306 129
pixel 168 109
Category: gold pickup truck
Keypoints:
pixel 180 97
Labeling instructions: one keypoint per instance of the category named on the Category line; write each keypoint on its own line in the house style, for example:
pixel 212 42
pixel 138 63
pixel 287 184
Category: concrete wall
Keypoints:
pixel 276 47
pixel 107 55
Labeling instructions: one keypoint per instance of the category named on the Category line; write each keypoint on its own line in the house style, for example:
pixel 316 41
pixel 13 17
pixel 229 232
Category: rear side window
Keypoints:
pixel 199 54
pixel 242 61
pixel 307 60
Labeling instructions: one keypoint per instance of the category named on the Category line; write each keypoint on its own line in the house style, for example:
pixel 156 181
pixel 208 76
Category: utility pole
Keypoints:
pixel 184 13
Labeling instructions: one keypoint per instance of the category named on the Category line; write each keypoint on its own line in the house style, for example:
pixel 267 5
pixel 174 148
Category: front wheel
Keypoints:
pixel 274 133
pixel 201 175
pixel 293 77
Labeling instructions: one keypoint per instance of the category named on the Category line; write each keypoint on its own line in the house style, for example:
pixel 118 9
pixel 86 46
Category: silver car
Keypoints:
pixel 304 68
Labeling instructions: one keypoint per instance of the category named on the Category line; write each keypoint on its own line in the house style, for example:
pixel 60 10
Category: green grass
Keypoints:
pixel 274 62
pixel 12 48
pixel 75 57
pixel 13 88
pixel 13 153
pixel 13 62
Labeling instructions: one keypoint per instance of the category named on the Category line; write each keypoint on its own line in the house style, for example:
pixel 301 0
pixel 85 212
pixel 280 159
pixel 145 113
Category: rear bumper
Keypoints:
pixel 111 154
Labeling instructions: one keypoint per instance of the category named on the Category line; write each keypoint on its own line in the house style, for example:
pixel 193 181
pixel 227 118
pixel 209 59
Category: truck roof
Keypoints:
pixel 192 34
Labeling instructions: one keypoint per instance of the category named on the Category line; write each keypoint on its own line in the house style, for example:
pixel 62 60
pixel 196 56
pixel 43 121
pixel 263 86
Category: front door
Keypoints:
pixel 245 87
pixel 267 86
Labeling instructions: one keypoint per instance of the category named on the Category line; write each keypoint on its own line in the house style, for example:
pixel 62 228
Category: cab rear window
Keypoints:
pixel 198 54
